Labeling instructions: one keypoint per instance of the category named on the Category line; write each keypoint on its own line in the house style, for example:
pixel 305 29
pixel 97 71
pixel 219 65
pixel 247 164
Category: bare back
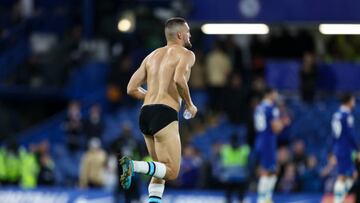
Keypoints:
pixel 160 68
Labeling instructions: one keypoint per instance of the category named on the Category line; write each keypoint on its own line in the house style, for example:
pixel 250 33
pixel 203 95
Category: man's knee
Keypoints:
pixel 172 173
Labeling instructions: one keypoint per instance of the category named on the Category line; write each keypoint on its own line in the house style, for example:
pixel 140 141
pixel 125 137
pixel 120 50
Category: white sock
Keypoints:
pixel 348 184
pixel 262 189
pixel 151 168
pixel 155 192
pixel 160 170
pixel 141 167
pixel 339 191
pixel 271 186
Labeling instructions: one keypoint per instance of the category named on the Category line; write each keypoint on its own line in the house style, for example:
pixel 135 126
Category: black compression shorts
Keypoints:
pixel 155 117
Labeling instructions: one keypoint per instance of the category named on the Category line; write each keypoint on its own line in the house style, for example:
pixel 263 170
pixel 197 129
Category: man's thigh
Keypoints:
pixel 168 146
pixel 150 144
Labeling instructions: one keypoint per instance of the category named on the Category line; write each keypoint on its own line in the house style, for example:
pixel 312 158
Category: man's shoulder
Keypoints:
pixel 259 107
pixel 340 114
pixel 337 115
pixel 190 55
pixel 186 55
pixel 177 50
pixel 186 52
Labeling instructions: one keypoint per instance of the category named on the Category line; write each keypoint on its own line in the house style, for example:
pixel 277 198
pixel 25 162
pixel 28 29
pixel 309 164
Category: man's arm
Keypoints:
pixel 352 133
pixel 276 124
pixel 182 72
pixel 134 88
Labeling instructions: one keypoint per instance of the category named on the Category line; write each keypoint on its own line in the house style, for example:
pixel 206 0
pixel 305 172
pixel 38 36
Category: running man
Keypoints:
pixel 344 144
pixel 267 125
pixel 166 72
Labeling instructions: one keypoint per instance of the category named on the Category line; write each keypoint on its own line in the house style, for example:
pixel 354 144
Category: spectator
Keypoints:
pixel 310 179
pixel 26 8
pixel 259 47
pixel 31 74
pixel 190 168
pixel 234 160
pixel 46 164
pixel 308 77
pixel 236 55
pixel 13 165
pixel 118 79
pixel 29 168
pixel 299 156
pixel 73 126
pixel 328 173
pixel 357 184
pixel 283 159
pixel 342 47
pixel 197 79
pixel 236 100
pixel 16 14
pixel 2 165
pixel 93 166
pixel 284 136
pixel 60 60
pixel 127 145
pixel 111 177
pixel 289 183
pixel 257 88
pixel 94 125
pixel 214 167
pixel 218 68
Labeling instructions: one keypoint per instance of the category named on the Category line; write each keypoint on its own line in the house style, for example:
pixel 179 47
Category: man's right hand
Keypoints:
pixel 192 109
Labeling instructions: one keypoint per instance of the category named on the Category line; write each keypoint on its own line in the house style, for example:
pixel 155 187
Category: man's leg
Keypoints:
pixel 152 168
pixel 228 192
pixel 270 165
pixel 349 183
pixel 165 149
pixel 339 190
pixel 272 183
pixel 242 188
pixel 156 190
pixel 266 188
pixel 268 176
pixel 156 186
pixel 168 149
pixel 262 188
pixel 342 185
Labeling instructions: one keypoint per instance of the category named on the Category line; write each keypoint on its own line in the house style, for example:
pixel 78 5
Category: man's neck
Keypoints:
pixel 172 43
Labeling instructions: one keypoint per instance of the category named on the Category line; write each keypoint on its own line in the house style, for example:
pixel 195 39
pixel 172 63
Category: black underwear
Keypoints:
pixel 155 117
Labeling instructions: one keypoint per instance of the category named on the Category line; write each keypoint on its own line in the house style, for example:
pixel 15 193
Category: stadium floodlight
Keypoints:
pixel 127 22
pixel 235 29
pixel 339 29
pixel 124 25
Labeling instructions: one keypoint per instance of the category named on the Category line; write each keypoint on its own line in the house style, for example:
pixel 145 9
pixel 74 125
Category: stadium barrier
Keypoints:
pixel 58 195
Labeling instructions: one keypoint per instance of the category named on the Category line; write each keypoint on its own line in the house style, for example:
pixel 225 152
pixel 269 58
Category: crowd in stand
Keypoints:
pixel 27 168
pixel 236 63
pixel 233 76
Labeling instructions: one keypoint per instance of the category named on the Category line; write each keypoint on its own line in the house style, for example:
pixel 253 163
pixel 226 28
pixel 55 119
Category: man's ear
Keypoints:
pixel 178 35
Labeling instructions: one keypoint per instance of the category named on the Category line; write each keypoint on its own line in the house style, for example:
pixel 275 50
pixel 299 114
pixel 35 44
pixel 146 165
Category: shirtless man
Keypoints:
pixel 166 72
